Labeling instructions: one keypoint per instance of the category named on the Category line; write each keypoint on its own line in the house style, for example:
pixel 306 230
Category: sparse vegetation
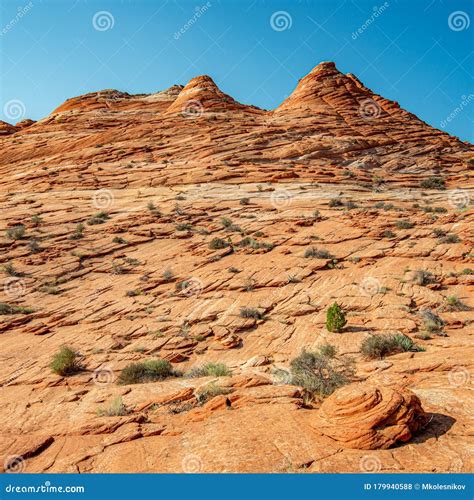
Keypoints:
pixel 115 409
pixel 320 375
pixel 119 240
pixel 335 202
pixel 245 201
pixel 328 351
pixel 453 303
pixel 388 234
pixel 33 246
pixel 11 271
pixel 78 232
pixel 317 253
pixel 433 182
pixel 422 277
pixel 404 224
pixel 168 274
pixel 218 244
pixel 210 370
pixel 450 238
pixel 36 220
pixel 98 218
pixel 16 232
pixel 431 321
pixel 147 371
pixel 249 312
pixel 209 391
pixel 14 309
pixel 335 318
pixel 380 345
pixel 65 362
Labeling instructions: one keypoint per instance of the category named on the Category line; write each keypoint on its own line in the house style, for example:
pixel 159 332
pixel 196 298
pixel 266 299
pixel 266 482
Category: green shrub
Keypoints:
pixel 431 321
pixel 335 202
pixel 33 245
pixel 65 362
pixel 210 369
pixel 78 232
pixel 433 182
pixel 119 240
pixel 454 304
pixel 388 234
pixel 335 318
pixel 98 218
pixel 218 244
pixel 450 238
pixel 422 277
pixel 404 224
pixel 328 351
pixel 320 375
pixel 467 271
pixel 16 232
pixel 209 391
pixel 381 345
pixel 317 253
pixel 147 371
pixel 13 309
pixel 115 409
pixel 248 312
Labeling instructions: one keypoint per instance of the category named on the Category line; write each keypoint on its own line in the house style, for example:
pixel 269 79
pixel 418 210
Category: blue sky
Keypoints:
pixel 417 52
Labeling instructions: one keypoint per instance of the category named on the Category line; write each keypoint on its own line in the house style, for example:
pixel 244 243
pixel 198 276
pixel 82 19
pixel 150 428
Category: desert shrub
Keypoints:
pixel 249 312
pixel 317 253
pixel 65 362
pixel 467 271
pixel 233 270
pixel 454 304
pixel 433 182
pixel 209 391
pixel 49 289
pixel 218 244
pixel 245 201
pixel 210 369
pixel 381 345
pixel 439 233
pixel 33 245
pixel 450 238
pixel 350 205
pixel 98 218
pixel 226 222
pixel 10 270
pixel 147 371
pixel 115 409
pixel 13 309
pixel 328 351
pixel 431 321
pixel 16 232
pixel 168 274
pixel 404 224
pixel 335 318
pixel 183 226
pixel 335 202
pixel 388 234
pixel 119 240
pixel 36 220
pixel 320 375
pixel 78 232
pixel 422 277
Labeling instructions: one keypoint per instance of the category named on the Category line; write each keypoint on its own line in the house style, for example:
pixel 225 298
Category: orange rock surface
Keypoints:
pixel 149 221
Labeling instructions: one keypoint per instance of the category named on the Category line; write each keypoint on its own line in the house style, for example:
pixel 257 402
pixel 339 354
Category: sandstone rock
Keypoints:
pixel 370 418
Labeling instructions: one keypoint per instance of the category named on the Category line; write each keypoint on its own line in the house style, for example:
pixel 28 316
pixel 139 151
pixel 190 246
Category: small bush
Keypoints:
pixel 115 409
pixel 467 271
pixel 422 278
pixel 320 375
pixel 335 202
pixel 335 318
pixel 328 351
pixel 210 369
pixel 65 362
pixel 450 238
pixel 209 391
pixel 119 240
pixel 454 304
pixel 431 321
pixel 11 271
pixel 33 245
pixel 404 224
pixel 36 220
pixel 98 218
pixel 433 182
pixel 78 232
pixel 16 232
pixel 317 253
pixel 147 371
pixel 439 233
pixel 184 227
pixel 379 346
pixel 12 309
pixel 233 270
pixel 218 244
pixel 245 201
pixel 248 312
pixel 388 234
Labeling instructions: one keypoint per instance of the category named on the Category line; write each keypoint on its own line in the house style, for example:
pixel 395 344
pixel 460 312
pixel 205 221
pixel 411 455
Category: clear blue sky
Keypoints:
pixel 409 53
